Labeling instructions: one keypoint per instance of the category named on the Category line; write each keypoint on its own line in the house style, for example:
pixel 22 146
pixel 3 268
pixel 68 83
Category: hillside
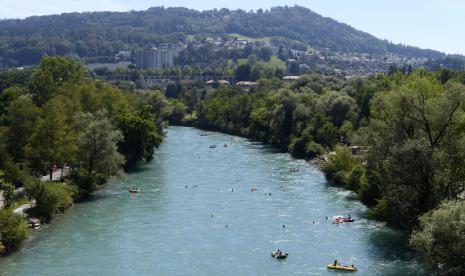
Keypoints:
pixel 102 34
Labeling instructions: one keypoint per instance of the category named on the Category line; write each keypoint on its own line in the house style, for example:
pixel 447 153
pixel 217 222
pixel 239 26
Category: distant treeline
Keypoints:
pixel 98 36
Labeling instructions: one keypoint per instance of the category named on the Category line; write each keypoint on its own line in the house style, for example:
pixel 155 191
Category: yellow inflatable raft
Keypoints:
pixel 340 267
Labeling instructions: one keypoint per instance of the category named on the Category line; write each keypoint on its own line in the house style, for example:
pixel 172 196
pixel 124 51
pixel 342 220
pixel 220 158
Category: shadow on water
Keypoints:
pixel 94 197
pixel 143 167
pixel 391 244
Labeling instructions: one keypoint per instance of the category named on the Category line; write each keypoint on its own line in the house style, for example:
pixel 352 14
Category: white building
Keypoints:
pixel 154 58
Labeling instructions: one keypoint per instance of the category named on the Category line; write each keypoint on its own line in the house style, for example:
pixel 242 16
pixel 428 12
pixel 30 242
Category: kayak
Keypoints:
pixel 340 267
pixel 134 191
pixel 279 256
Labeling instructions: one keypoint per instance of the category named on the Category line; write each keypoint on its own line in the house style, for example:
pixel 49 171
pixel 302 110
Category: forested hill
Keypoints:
pixel 23 42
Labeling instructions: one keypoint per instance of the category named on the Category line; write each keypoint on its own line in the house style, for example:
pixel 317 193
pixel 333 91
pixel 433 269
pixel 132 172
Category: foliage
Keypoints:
pixel 98 36
pixel 344 169
pixel 53 138
pixel 7 189
pixel 97 142
pixel 52 73
pixel 13 229
pixel 51 198
pixel 140 136
pixel 440 237
pixel 416 142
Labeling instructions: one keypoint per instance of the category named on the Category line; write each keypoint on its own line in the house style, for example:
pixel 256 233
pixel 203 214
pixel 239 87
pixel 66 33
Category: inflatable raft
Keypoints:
pixel 342 267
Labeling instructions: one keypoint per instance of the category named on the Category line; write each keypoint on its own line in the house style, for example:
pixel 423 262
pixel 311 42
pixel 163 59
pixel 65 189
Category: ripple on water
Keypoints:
pixel 169 230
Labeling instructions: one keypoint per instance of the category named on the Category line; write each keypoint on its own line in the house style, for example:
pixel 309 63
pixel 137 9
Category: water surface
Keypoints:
pixel 198 216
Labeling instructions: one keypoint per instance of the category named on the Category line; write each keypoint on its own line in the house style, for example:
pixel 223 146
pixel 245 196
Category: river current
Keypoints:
pixel 197 215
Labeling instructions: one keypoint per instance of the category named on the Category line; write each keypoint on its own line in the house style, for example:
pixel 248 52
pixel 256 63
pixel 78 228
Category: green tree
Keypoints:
pixel 53 140
pixel 7 189
pixel 439 239
pixel 178 111
pixel 416 142
pixel 140 135
pixel 243 72
pixel 52 73
pixel 23 115
pixel 97 147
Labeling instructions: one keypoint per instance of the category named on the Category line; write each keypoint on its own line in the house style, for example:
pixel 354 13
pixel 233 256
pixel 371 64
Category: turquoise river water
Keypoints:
pixel 217 225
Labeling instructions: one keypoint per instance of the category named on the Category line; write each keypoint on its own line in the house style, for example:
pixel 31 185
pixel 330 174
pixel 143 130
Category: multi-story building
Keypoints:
pixel 154 58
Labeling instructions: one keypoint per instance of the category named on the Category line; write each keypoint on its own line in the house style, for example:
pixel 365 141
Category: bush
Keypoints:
pixel 86 184
pixel 380 211
pixel 13 230
pixel 51 198
pixel 344 170
pixel 8 191
pixel 313 149
pixel 354 178
pixel 440 238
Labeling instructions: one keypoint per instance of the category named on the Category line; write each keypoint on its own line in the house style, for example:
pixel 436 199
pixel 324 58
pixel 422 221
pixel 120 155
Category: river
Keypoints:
pixel 217 225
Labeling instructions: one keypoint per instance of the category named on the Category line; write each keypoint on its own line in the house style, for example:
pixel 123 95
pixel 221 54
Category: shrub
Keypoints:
pixel 13 230
pixel 51 198
pixel 440 238
pixel 343 169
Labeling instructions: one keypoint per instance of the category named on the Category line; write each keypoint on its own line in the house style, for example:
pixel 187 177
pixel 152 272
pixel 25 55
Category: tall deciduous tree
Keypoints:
pixel 98 145
pixel 52 73
pixel 53 140
pixel 417 146
pixel 141 135
pixel 23 115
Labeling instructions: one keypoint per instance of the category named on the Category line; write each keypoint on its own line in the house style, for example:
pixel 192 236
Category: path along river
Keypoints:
pixel 173 230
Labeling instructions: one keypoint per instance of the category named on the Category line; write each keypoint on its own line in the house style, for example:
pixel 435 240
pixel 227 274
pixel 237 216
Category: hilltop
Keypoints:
pixel 99 35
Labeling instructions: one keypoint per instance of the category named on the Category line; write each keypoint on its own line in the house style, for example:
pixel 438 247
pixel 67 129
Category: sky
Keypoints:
pixel 432 24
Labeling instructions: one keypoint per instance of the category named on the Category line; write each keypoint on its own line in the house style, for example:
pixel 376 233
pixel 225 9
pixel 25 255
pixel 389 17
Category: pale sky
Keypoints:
pixel 433 24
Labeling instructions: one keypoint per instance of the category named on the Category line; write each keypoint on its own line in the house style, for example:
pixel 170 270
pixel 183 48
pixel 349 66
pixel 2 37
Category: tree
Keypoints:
pixel 178 111
pixel 141 135
pixel 439 239
pixel 243 72
pixel 417 144
pixel 97 147
pixel 22 114
pixel 52 73
pixel 7 189
pixel 53 140
pixel 266 53
pixel 6 97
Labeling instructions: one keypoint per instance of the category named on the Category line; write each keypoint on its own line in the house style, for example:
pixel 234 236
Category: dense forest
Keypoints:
pixel 100 35
pixel 396 140
pixel 52 117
